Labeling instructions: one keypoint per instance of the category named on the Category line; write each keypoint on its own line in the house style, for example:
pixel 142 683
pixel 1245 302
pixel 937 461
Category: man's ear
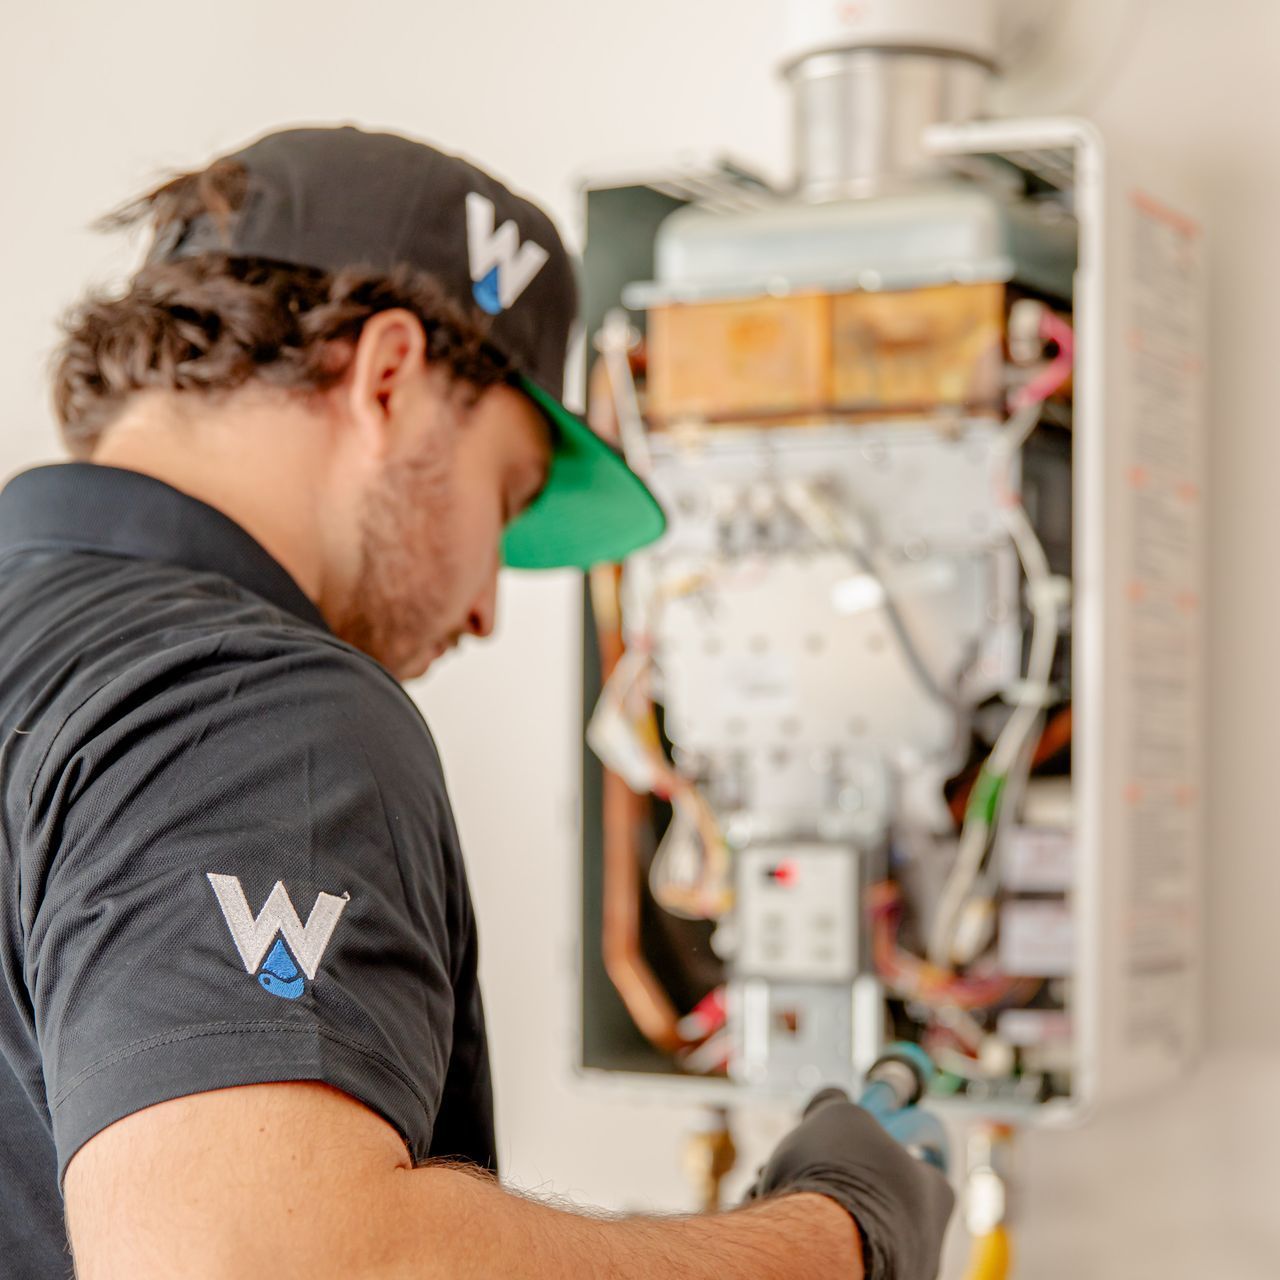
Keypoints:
pixel 387 368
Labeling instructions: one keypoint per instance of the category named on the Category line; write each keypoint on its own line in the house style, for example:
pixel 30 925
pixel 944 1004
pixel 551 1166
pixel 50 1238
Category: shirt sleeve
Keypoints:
pixel 240 867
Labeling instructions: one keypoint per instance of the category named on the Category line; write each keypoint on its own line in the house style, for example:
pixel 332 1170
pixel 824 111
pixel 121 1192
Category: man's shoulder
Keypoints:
pixel 158 658
pixel 251 665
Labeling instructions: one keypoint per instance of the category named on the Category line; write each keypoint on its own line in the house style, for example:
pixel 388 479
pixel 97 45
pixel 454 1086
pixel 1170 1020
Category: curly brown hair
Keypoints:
pixel 212 323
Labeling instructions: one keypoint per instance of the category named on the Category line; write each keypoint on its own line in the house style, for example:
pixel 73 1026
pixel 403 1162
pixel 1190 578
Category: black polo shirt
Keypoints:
pixel 228 855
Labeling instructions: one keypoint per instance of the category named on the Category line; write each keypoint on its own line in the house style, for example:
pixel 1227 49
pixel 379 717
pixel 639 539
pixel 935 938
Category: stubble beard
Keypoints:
pixel 397 609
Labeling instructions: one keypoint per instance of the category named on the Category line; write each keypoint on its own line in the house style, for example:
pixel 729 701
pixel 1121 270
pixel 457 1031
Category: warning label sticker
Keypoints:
pixel 1166 343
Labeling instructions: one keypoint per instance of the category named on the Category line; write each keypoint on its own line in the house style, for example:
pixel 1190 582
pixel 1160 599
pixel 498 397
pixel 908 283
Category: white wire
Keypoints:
pixel 1011 802
pixel 1044 642
pixel 664 869
pixel 969 853
pixel 615 345
pixel 1009 753
pixel 709 1054
pixel 1019 427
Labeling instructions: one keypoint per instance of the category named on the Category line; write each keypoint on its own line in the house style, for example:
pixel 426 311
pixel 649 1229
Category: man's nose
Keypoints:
pixel 483 613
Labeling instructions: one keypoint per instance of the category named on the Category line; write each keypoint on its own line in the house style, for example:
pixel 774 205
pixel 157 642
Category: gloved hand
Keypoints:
pixel 901 1205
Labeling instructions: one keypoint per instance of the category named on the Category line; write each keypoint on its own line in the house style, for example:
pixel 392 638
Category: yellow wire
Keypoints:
pixel 989 1256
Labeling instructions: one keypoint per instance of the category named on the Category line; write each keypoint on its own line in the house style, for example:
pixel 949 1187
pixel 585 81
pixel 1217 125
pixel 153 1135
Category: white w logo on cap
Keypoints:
pixel 501 267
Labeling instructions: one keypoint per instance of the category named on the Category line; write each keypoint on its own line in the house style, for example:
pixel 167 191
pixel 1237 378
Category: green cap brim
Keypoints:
pixel 594 508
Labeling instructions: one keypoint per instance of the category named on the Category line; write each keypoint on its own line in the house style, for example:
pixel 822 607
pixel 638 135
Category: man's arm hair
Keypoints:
pixel 301 1180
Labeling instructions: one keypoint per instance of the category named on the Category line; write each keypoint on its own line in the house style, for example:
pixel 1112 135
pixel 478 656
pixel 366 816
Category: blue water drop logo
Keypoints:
pixel 486 293
pixel 279 975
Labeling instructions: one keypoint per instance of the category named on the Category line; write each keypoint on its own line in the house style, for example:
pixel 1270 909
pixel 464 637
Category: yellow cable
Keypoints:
pixel 989 1256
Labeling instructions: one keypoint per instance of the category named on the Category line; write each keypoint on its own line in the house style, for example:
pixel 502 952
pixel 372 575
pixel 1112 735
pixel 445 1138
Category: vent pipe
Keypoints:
pixel 868 77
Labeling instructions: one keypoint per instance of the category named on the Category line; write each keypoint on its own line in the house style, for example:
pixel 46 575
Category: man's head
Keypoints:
pixel 353 344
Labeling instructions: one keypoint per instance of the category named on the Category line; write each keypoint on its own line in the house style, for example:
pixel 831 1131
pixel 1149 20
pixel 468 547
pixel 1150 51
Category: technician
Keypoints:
pixel 242 1033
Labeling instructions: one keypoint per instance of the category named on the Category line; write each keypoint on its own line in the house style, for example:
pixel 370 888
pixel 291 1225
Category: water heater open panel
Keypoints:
pixel 898 731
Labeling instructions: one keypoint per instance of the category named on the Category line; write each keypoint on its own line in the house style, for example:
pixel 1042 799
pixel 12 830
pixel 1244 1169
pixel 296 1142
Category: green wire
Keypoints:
pixel 984 802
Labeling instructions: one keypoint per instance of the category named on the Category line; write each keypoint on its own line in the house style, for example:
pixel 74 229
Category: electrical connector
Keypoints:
pixel 1051 593
pixel 975 927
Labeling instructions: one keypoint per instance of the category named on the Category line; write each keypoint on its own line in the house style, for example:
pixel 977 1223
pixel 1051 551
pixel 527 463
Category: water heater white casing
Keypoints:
pixel 965 27
pixel 1140 427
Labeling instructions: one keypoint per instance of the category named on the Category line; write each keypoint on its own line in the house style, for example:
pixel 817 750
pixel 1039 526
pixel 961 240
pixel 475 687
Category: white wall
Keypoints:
pixel 96 98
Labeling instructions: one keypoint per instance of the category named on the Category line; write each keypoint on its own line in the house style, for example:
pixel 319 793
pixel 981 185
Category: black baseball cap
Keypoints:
pixel 333 198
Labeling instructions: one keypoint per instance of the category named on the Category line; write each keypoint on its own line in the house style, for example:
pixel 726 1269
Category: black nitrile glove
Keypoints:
pixel 900 1204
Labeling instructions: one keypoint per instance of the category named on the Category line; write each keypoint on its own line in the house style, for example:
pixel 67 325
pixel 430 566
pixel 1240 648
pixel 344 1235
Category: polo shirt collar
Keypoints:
pixel 81 506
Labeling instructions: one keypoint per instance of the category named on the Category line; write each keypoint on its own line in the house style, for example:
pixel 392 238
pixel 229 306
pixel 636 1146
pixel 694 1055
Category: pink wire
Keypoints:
pixel 1052 329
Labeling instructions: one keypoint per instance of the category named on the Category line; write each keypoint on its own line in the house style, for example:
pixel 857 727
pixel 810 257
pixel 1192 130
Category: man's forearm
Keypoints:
pixel 439 1223
pixel 499 1234
pixel 298 1182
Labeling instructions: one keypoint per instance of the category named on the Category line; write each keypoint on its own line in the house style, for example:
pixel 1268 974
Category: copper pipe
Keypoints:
pixel 709 1157
pixel 625 814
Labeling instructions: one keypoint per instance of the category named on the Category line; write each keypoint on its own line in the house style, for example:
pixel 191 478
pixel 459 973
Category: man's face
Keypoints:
pixel 433 518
